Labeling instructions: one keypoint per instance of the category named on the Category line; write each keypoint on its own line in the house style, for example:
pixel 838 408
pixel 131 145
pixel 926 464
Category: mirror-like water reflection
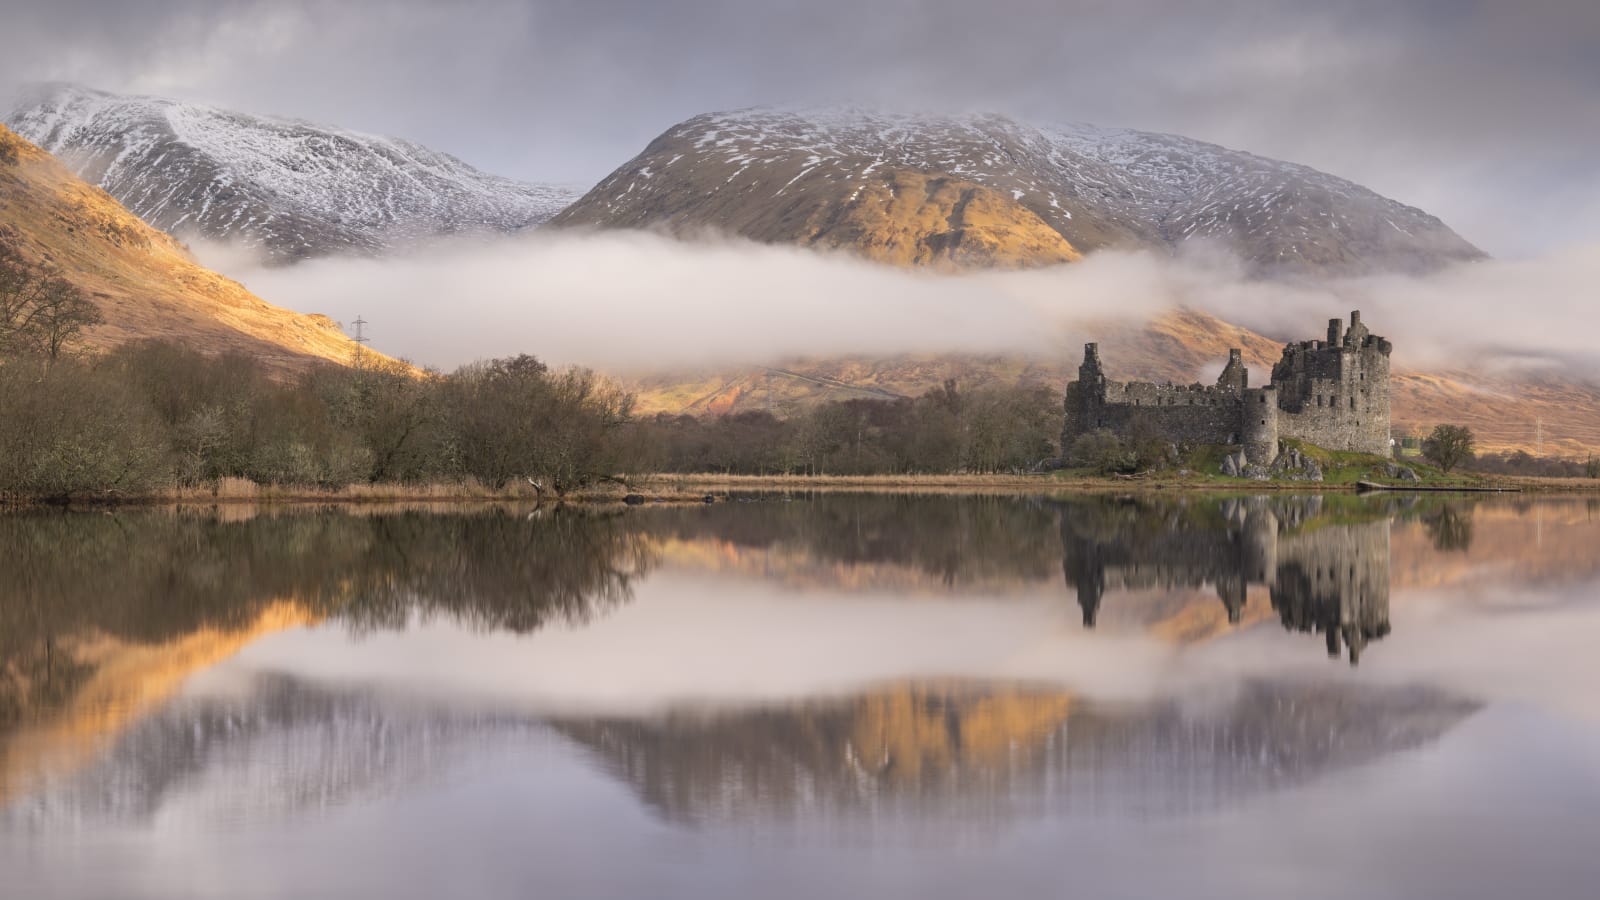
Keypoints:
pixel 789 696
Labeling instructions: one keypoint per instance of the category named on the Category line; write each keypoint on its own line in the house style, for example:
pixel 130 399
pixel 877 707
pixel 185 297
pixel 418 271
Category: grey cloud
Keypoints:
pixel 1484 113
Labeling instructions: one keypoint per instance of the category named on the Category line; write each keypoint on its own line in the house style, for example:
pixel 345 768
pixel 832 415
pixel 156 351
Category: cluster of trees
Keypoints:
pixel 988 429
pixel 1521 462
pixel 151 414
pixel 1452 446
pixel 1144 450
pixel 40 311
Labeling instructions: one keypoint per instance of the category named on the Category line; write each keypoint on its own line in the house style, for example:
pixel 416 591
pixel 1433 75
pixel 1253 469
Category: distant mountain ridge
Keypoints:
pixel 987 190
pixel 292 189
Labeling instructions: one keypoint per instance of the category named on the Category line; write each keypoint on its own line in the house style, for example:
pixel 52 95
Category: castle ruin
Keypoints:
pixel 1332 393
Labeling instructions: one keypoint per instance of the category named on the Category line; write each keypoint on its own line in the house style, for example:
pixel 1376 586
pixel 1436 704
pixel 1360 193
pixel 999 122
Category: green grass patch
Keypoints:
pixel 1348 467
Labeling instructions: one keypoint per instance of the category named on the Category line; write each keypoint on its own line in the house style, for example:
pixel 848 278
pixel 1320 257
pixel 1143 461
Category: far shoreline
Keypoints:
pixel 684 489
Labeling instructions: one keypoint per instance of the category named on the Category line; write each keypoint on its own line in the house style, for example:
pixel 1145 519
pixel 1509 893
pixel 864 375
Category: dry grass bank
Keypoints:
pixel 677 488
pixel 1540 484
pixel 716 484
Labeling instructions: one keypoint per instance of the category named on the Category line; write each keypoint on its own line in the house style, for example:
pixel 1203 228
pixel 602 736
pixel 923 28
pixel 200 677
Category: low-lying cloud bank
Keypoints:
pixel 635 301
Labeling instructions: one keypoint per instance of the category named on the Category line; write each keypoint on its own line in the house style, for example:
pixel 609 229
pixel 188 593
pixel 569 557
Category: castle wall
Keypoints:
pixel 1179 413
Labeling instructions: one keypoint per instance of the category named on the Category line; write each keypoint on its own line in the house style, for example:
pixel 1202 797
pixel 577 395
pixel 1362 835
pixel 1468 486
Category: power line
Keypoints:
pixel 360 323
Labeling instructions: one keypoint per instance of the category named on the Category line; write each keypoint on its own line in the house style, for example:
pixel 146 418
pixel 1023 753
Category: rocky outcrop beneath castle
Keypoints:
pixel 1401 473
pixel 1292 465
pixel 1237 465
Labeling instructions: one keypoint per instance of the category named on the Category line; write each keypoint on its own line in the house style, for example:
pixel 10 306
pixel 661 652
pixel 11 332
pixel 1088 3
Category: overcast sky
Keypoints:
pixel 1484 113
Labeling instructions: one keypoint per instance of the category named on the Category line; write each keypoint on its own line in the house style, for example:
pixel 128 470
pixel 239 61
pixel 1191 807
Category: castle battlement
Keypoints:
pixel 1333 393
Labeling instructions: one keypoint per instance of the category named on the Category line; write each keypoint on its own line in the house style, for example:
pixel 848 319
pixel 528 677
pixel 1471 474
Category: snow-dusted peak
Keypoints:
pixel 290 187
pixel 1097 187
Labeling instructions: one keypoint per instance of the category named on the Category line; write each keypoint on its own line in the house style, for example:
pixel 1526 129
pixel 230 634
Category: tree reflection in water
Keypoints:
pixel 78 581
pixel 79 584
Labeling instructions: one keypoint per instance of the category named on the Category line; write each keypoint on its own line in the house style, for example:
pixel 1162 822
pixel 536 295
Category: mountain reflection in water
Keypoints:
pixel 982 753
pixel 106 620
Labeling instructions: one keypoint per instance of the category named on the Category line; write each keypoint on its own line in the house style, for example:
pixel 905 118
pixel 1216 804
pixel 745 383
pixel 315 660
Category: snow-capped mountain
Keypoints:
pixel 987 189
pixel 292 189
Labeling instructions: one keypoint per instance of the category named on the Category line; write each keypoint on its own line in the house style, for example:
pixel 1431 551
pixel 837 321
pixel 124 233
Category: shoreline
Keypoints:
pixel 696 489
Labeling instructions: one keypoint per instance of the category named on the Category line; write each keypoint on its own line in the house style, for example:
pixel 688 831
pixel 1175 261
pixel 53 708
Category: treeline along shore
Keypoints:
pixel 157 421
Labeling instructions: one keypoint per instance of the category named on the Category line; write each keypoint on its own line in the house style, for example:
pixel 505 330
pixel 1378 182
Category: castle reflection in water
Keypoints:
pixel 1326 573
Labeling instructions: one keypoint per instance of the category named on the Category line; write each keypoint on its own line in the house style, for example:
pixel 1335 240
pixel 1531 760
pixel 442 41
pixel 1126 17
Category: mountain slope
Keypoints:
pixel 144 282
pixel 1007 193
pixel 1507 411
pixel 292 189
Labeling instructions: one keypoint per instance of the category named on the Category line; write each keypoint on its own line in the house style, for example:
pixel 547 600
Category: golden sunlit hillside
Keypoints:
pixel 145 282
pixel 911 218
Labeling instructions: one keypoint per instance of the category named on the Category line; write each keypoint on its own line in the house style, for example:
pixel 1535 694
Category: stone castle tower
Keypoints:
pixel 1332 393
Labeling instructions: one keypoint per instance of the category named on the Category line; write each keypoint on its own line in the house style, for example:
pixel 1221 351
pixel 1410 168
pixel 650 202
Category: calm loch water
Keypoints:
pixel 810 696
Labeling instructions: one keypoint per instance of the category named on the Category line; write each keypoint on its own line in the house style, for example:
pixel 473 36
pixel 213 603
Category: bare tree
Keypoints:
pixel 20 284
pixel 61 313
pixel 40 311
pixel 1448 446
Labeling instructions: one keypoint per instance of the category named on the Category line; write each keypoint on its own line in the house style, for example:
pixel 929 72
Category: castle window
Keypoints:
pixel 1352 403
pixel 1263 421
pixel 1263 399
pixel 1319 399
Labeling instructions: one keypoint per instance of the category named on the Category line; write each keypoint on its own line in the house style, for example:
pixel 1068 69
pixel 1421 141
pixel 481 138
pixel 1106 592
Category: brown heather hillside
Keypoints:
pixel 146 283
pixel 985 191
pixel 1182 346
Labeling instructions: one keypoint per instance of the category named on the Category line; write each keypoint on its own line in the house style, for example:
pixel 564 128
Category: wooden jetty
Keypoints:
pixel 1367 487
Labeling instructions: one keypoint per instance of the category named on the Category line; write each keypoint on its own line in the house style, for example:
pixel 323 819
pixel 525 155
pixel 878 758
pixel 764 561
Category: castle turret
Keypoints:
pixel 1091 371
pixel 1335 332
pixel 1084 400
pixel 1260 425
pixel 1235 377
pixel 1358 332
